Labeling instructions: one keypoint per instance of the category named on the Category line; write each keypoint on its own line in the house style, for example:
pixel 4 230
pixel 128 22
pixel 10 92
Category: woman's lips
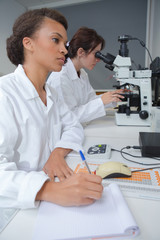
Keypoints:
pixel 62 60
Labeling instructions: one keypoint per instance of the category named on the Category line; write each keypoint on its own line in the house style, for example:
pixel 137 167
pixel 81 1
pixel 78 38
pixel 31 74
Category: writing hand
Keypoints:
pixel 78 189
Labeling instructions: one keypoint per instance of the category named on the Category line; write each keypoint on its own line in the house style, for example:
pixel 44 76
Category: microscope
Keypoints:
pixel 137 103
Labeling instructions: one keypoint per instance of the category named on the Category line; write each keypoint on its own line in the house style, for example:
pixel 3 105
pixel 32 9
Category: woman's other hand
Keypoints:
pixel 56 165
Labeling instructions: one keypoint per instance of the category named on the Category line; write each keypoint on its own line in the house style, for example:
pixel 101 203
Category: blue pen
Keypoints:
pixel 84 160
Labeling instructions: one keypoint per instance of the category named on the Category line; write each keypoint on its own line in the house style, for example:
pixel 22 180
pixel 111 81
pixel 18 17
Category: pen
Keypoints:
pixel 84 160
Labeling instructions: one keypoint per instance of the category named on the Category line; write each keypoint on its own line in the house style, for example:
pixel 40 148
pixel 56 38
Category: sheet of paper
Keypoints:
pixel 109 216
pixel 6 215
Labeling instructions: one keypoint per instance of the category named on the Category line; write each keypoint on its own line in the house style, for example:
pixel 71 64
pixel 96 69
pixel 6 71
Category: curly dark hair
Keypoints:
pixel 85 38
pixel 25 26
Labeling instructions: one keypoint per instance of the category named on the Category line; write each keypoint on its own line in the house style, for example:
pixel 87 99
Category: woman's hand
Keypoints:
pixel 78 189
pixel 56 165
pixel 112 96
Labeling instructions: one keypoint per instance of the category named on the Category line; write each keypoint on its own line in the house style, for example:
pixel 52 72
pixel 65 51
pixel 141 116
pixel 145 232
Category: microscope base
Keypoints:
pixel 132 120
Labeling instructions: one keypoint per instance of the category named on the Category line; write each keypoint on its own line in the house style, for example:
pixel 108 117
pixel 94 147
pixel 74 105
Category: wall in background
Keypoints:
pixel 110 19
pixel 154 28
pixel 9 11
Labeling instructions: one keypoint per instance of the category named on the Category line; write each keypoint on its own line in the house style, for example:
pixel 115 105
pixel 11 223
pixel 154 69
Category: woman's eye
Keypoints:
pixel 56 40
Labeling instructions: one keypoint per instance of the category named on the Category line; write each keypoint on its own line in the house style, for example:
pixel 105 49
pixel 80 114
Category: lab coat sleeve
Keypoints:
pixel 72 131
pixel 93 109
pixel 18 188
pixel 92 95
pixel 89 111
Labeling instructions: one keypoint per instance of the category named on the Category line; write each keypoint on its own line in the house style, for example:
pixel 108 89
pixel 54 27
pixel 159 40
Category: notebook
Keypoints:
pixel 107 217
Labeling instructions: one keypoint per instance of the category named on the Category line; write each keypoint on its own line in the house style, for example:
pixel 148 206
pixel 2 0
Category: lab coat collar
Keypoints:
pixel 72 73
pixel 26 85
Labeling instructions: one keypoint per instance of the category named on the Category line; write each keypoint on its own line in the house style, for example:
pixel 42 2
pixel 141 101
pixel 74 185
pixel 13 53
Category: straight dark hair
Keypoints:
pixel 85 38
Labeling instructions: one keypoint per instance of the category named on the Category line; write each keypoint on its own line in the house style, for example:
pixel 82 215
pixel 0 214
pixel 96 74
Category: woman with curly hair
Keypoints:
pixel 37 130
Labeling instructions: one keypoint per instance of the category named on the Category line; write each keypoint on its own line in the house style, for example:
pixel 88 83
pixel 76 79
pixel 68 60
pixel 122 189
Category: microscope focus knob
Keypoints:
pixel 145 103
pixel 143 114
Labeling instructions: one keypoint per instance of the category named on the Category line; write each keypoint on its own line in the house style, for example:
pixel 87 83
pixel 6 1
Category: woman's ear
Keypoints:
pixel 27 43
pixel 80 52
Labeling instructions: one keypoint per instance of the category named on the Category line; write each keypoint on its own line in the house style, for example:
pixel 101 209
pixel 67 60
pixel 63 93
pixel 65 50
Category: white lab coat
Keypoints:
pixel 77 92
pixel 29 131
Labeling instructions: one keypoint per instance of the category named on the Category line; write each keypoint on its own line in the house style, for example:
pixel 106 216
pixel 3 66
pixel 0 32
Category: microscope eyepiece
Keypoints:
pixel 109 59
pixel 99 55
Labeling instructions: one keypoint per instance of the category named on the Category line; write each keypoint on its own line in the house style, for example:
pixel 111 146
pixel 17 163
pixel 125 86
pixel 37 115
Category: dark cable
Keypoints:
pixel 135 147
pixel 141 170
pixel 143 45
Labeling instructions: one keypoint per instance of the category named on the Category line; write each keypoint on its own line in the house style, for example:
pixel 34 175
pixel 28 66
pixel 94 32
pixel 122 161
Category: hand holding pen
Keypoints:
pixel 75 190
pixel 84 160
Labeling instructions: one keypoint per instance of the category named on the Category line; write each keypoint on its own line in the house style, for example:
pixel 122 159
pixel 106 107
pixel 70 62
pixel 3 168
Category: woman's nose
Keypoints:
pixel 64 50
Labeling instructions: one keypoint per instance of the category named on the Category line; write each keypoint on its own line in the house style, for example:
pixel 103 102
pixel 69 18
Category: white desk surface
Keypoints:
pixel 106 127
pixel 146 212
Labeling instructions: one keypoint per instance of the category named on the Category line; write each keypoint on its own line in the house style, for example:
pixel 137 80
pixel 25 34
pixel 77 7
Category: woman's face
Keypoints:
pixel 48 46
pixel 89 61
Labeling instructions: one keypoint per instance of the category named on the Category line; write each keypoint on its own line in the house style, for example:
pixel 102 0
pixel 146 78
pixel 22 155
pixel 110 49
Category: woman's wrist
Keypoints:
pixel 61 152
pixel 44 192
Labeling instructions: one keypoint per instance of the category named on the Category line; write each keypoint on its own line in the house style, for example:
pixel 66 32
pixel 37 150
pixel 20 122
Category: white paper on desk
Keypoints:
pixel 6 215
pixel 109 216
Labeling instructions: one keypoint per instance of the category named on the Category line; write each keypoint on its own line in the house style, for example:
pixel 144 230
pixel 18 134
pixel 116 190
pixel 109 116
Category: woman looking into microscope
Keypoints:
pixel 72 82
